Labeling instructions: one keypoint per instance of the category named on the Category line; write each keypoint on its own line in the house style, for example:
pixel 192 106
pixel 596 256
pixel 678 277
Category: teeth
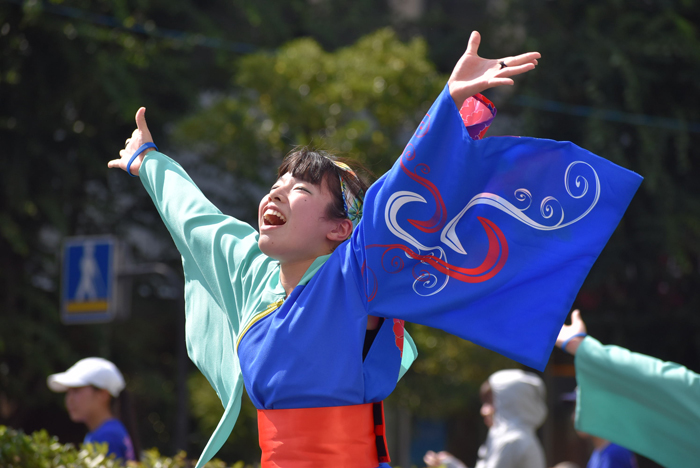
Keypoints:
pixel 270 212
pixel 276 213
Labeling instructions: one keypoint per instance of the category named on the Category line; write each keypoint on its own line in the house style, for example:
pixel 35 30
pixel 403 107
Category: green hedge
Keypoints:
pixel 40 450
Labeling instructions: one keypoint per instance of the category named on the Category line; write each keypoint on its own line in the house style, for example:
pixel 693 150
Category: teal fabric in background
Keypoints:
pixel 647 405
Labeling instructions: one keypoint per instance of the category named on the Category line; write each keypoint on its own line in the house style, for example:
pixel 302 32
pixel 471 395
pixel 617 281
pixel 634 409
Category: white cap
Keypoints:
pixel 95 371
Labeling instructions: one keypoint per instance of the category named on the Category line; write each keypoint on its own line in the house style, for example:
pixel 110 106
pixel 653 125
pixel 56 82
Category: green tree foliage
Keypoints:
pixel 70 81
pixel 40 450
pixel 364 100
pixel 207 411
pixel 71 75
pixel 446 377
pixel 69 86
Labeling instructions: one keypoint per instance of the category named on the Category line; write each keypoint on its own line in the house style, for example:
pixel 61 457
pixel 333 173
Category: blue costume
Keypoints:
pixel 487 239
pixel 114 434
pixel 612 456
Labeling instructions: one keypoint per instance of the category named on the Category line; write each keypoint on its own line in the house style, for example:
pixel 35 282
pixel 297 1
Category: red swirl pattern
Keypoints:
pixel 439 218
pixel 494 261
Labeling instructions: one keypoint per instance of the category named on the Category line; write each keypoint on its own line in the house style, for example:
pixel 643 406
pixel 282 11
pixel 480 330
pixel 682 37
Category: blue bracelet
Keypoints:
pixel 577 335
pixel 141 149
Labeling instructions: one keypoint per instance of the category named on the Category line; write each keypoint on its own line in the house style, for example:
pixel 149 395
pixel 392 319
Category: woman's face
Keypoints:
pixel 82 402
pixel 293 220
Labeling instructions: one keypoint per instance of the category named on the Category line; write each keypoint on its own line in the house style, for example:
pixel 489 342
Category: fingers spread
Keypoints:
pixel 493 82
pixel 515 70
pixel 530 57
pixel 473 45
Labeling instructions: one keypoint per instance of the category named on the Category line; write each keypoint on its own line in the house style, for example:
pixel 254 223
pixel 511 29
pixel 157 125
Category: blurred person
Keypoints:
pixel 93 387
pixel 287 311
pixel 513 407
pixel 514 401
pixel 650 406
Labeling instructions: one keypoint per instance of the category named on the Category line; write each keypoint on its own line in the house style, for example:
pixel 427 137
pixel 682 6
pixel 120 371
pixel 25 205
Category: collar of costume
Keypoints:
pixel 351 203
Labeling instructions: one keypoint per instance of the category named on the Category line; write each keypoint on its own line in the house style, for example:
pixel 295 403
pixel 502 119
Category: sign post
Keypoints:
pixel 88 280
pixel 90 274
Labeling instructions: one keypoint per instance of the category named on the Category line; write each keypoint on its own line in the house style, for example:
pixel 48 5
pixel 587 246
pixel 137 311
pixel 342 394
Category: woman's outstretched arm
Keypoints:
pixel 220 253
pixel 649 406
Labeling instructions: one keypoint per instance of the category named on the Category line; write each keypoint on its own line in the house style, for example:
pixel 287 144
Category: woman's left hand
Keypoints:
pixel 474 74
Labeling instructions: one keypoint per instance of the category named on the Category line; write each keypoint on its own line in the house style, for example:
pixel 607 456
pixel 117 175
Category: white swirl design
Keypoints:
pixel 524 194
pixel 394 204
pixel 427 284
pixel 449 235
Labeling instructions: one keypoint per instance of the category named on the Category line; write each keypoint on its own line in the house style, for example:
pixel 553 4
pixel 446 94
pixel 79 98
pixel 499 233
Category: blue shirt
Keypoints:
pixel 612 456
pixel 117 438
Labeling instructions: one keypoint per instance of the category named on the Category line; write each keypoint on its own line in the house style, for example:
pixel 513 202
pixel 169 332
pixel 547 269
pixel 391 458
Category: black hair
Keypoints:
pixel 317 167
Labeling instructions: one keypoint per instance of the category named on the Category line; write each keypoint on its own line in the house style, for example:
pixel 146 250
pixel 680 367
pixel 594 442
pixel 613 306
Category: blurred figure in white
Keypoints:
pixel 513 407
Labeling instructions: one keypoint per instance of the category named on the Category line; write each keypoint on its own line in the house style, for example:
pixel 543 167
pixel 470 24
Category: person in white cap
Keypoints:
pixel 92 385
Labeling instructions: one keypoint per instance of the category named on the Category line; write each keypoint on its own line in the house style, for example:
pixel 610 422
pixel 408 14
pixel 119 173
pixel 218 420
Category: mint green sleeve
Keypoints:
pixel 225 278
pixel 647 405
pixel 220 249
pixel 409 354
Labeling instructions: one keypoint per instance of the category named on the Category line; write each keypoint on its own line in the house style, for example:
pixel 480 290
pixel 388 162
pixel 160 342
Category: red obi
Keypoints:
pixel 336 436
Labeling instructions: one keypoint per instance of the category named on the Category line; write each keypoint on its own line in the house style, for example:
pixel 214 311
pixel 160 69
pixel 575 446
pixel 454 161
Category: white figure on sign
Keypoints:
pixel 89 274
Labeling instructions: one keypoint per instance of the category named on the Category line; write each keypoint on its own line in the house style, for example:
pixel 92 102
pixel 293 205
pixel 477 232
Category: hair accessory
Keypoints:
pixel 351 203
pixel 95 371
pixel 577 335
pixel 503 64
pixel 141 149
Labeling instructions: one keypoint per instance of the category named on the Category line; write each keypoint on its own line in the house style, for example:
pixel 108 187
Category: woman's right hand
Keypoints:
pixel 140 136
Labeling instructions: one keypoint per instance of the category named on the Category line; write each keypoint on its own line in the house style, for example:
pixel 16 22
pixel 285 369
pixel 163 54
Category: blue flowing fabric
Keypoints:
pixel 487 239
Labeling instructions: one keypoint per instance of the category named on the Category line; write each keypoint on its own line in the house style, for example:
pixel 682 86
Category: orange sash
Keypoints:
pixel 337 436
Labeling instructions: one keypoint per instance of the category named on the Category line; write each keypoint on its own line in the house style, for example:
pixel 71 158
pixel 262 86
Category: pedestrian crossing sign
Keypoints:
pixel 88 280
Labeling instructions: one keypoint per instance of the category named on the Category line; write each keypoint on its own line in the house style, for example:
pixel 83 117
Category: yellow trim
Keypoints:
pixel 88 306
pixel 270 309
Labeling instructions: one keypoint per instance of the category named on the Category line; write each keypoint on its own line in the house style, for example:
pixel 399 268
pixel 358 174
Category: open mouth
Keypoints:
pixel 273 218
